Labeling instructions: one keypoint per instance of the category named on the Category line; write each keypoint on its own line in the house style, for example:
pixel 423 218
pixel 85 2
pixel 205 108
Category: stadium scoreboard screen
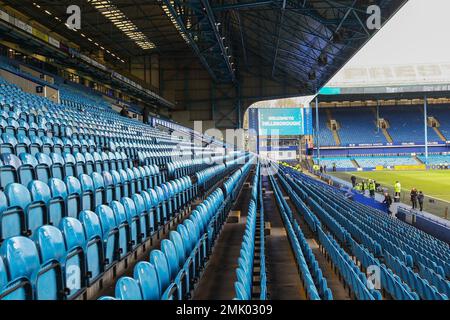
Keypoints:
pixel 284 121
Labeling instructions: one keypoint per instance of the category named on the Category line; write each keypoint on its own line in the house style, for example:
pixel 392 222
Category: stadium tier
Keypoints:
pixel 412 264
pixel 180 158
pixel 357 125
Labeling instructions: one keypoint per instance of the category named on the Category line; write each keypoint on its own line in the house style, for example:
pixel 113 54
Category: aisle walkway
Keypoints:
pixel 217 282
pixel 283 277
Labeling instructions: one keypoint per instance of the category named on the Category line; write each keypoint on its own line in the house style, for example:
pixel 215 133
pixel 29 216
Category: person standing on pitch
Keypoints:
pixel 397 190
pixel 420 198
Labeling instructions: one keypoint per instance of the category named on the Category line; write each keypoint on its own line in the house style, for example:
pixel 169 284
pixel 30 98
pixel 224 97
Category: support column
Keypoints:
pixel 317 129
pixel 425 120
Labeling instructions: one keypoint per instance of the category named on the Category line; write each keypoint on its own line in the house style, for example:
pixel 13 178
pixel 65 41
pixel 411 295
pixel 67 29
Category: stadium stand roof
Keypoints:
pixel 253 50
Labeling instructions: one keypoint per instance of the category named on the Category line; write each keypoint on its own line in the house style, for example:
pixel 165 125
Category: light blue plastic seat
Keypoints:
pixel 128 289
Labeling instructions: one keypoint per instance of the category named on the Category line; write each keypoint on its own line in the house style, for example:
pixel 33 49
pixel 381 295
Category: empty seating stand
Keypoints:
pixel 171 271
pixel 412 264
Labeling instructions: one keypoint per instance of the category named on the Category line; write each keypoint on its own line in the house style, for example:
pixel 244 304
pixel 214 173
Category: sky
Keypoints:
pixel 417 34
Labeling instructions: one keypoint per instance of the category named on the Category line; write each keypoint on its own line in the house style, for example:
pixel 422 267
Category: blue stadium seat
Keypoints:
pixel 73 201
pixel 87 192
pixel 146 275
pixel 94 244
pixel 13 222
pixel 69 164
pixel 8 144
pixel 23 144
pixel 21 259
pixel 132 220
pixel 52 252
pixel 128 289
pixel 57 206
pixel 110 235
pixel 37 211
pixel 9 166
pixel 43 168
pixel 123 227
pixel 159 260
pixel 58 169
pixel 27 171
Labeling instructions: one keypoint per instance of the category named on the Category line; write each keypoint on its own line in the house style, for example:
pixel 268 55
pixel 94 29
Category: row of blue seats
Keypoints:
pixel 244 271
pixel 42 167
pixel 350 272
pixel 60 263
pixel 19 143
pixel 319 280
pixel 389 282
pixel 365 234
pixel 23 210
pixel 303 269
pixel 171 271
pixel 355 279
pixel 413 250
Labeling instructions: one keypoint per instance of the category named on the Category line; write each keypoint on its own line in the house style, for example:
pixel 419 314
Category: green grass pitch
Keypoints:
pixel 434 184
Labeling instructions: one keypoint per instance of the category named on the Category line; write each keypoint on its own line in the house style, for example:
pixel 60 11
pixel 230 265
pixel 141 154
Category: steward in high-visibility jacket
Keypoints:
pixel 397 190
pixel 358 187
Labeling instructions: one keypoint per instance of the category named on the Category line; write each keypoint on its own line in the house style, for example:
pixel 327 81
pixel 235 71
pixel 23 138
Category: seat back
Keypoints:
pixel 21 259
pixel 57 205
pixel 13 222
pixel 145 274
pixel 75 241
pixel 52 251
pixel 128 289
pixel 37 212
pixel 159 260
